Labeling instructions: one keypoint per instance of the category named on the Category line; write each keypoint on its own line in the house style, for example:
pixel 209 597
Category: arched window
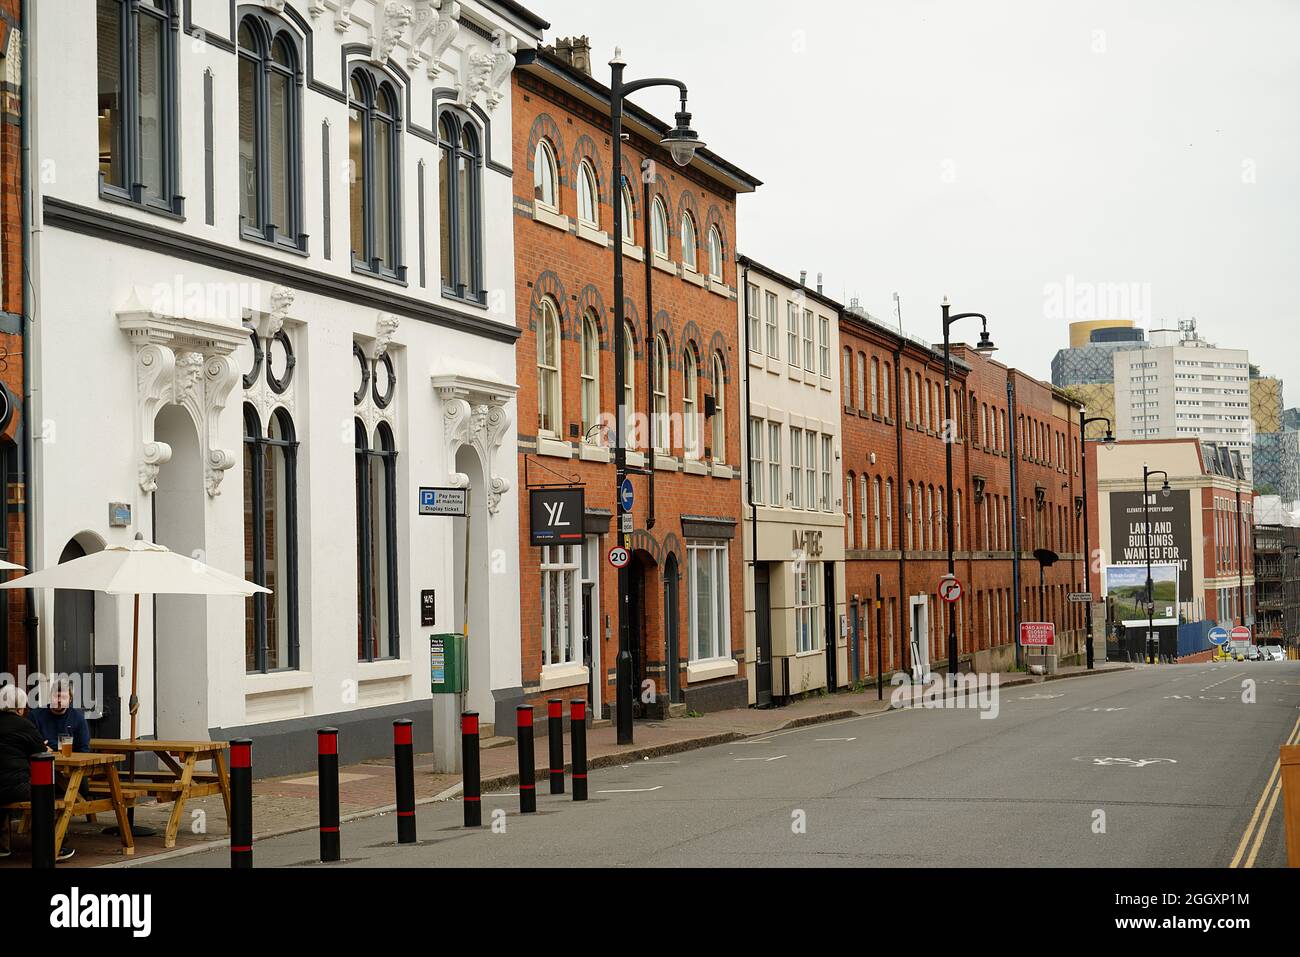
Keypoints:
pixel 460 198
pixel 546 190
pixel 720 412
pixel 887 409
pixel 908 506
pixel 138 142
pixel 629 215
pixel 689 242
pixel 549 408
pixel 690 405
pixel 875 386
pixel 271 542
pixel 659 228
pixel 374 122
pixel 270 177
pixel 715 254
pixel 850 524
pixel 889 513
pixel 662 440
pixel 846 376
pixel 588 196
pixel 590 377
pixel 927 517
pixel 861 382
pixel 875 512
pixel 864 490
pixel 376 486
pixel 629 386
pixel 956 516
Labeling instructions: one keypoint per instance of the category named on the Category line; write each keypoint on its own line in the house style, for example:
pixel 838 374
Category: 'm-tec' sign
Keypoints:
pixel 1037 634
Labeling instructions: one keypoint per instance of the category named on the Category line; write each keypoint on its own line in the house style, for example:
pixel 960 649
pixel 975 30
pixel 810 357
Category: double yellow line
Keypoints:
pixel 1259 822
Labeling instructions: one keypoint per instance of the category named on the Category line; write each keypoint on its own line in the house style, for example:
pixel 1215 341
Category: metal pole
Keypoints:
pixel 947 449
pixel 1015 518
pixel 1087 547
pixel 880 661
pixel 623 681
pixel 1146 519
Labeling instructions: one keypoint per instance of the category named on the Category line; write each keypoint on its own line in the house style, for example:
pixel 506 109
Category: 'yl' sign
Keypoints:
pixel 556 516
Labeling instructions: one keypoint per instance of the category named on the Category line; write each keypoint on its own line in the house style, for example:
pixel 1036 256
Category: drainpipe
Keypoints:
pixel 744 434
pixel 1013 428
pixel 904 616
pixel 1241 562
pixel 650 343
pixel 25 432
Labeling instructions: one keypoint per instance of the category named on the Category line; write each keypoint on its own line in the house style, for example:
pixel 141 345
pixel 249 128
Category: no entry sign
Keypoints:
pixel 1240 634
pixel 1037 634
pixel 949 588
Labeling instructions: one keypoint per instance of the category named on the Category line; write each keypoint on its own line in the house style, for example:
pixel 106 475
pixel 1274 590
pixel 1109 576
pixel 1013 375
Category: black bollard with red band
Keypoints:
pixel 555 733
pixel 327 771
pixel 404 776
pixel 578 747
pixel 471 789
pixel 241 804
pixel 527 759
pixel 42 771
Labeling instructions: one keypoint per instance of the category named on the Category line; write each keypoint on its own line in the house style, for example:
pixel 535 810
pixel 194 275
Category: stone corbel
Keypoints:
pixel 441 31
pixel 387 30
pixel 385 329
pixel 474 415
pixel 504 49
pixel 270 323
pixel 316 8
pixel 477 65
pixel 275 6
pixel 343 16
pixel 154 373
pixel 220 373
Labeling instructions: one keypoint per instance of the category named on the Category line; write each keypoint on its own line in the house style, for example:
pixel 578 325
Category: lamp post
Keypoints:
pixel 1108 440
pixel 681 142
pixel 985 346
pixel 1146 517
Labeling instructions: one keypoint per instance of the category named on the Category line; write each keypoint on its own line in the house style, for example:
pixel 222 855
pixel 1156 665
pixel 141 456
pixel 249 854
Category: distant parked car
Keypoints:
pixel 1253 653
pixel 1275 653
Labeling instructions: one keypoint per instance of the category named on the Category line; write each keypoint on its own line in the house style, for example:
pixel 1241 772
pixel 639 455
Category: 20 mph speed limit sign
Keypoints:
pixel 949 588
pixel 619 557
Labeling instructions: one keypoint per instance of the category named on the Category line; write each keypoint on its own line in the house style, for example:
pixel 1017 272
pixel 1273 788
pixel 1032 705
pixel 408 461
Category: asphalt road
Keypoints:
pixel 1158 767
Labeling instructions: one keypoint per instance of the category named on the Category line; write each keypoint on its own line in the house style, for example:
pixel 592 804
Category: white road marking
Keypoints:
pixel 657 787
pixel 836 739
pixel 777 758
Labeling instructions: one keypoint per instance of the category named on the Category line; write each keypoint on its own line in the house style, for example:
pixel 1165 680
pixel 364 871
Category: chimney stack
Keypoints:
pixel 575 51
pixel 819 284
pixel 803 277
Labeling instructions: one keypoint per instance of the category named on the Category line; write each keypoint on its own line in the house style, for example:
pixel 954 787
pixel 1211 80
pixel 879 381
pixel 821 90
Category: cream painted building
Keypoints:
pixel 795 639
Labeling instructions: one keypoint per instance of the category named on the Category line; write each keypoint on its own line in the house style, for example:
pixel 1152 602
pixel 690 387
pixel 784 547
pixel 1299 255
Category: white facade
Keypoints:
pixel 1179 386
pixel 143 337
pixel 794 509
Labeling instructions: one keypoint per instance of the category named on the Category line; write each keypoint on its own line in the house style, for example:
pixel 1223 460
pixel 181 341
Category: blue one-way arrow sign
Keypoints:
pixel 625 495
pixel 1218 636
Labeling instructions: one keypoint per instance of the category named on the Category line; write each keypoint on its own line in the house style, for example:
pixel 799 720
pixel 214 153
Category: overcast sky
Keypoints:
pixel 1012 155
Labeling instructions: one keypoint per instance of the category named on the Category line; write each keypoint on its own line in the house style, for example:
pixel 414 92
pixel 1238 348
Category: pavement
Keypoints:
pixel 286 805
pixel 1155 766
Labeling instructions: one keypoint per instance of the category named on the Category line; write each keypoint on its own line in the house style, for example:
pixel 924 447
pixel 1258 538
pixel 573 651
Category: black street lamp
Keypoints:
pixel 1146 517
pixel 681 142
pixel 1108 440
pixel 950 430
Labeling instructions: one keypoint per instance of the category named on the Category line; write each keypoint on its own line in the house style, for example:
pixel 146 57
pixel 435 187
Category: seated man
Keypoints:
pixel 61 718
pixel 19 740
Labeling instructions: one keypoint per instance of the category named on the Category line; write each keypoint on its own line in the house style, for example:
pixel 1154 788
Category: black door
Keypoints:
pixel 855 642
pixel 671 579
pixel 832 629
pixel 587 597
pixel 636 631
pixel 74 624
pixel 762 637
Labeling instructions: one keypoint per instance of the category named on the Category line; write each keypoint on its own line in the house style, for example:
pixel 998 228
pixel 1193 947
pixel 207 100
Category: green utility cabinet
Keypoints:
pixel 448 667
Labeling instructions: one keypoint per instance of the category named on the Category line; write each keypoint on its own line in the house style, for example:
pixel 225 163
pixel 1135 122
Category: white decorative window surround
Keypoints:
pixel 474 414
pixel 370 412
pixel 268 326
pixel 437 21
pixel 184 362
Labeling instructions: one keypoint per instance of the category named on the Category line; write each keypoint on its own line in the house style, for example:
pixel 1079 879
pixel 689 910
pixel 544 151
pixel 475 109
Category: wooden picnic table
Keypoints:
pixel 179 781
pixel 99 770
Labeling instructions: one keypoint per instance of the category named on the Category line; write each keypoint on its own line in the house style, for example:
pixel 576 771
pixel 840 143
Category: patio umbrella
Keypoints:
pixel 138 568
pixel 11 567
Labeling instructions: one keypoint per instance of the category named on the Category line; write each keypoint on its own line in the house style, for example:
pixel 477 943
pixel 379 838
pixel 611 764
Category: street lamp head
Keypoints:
pixel 682 141
pixel 1165 490
pixel 986 345
pixel 1109 439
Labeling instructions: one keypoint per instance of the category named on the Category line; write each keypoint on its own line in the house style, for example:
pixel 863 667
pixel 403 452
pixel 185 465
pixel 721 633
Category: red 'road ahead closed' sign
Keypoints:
pixel 1037 634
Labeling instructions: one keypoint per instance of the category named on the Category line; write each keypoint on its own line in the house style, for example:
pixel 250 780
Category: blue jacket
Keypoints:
pixel 51 725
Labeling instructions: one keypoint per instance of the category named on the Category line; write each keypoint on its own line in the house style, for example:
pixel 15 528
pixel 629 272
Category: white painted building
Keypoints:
pixel 794 514
pixel 1179 386
pixel 274 276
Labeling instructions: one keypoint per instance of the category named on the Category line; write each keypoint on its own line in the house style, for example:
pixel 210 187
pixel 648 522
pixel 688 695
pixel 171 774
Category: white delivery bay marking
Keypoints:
pixel 657 787
pixel 777 758
pixel 836 739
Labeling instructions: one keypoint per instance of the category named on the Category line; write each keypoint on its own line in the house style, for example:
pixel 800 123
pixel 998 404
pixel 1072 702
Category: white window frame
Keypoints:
pixel 828 448
pixel 588 196
pixel 808 342
pixel 690 242
pixel 590 372
pixel 629 218
pixel 824 345
pixel 792 333
pixel 752 317
pixel 808 610
pixel 715 254
pixel 716 553
pixel 659 228
pixel 774 464
pixel 796 467
pixel 773 325
pixel 756 460
pixel 719 412
pixel 810 467
pixel 629 383
pixel 549 383
pixel 556 562
pixel 546 178
pixel 659 400
pixel 691 446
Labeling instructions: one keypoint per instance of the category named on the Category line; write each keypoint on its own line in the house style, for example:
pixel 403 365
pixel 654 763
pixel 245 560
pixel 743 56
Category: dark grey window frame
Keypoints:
pixel 467 288
pixel 172 203
pixel 267 29
pixel 367 458
pixel 372 81
pixel 258 445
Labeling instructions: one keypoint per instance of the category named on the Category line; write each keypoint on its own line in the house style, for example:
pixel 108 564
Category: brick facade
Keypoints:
pixel 11 306
pixel 571 266
pixel 896 526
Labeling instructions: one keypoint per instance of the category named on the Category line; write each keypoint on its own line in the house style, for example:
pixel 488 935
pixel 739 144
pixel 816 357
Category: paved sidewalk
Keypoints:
pixel 287 804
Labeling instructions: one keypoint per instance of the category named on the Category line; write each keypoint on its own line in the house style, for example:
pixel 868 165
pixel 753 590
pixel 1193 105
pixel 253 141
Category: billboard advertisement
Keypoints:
pixel 1127 585
pixel 1171 533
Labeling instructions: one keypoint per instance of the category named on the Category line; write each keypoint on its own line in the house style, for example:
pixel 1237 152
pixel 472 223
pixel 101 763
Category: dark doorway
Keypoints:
pixel 636 605
pixel 588 597
pixel 672 579
pixel 74 623
pixel 762 637
pixel 832 629
pixel 855 642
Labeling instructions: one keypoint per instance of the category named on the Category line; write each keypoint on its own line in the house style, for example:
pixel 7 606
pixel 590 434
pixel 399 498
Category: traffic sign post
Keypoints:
pixel 450 502
pixel 1219 636
pixel 1080 597
pixel 1037 634
pixel 626 495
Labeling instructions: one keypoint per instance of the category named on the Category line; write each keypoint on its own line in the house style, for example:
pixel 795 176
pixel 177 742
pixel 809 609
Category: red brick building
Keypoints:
pixel 16 636
pixel 683 380
pixel 895 502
